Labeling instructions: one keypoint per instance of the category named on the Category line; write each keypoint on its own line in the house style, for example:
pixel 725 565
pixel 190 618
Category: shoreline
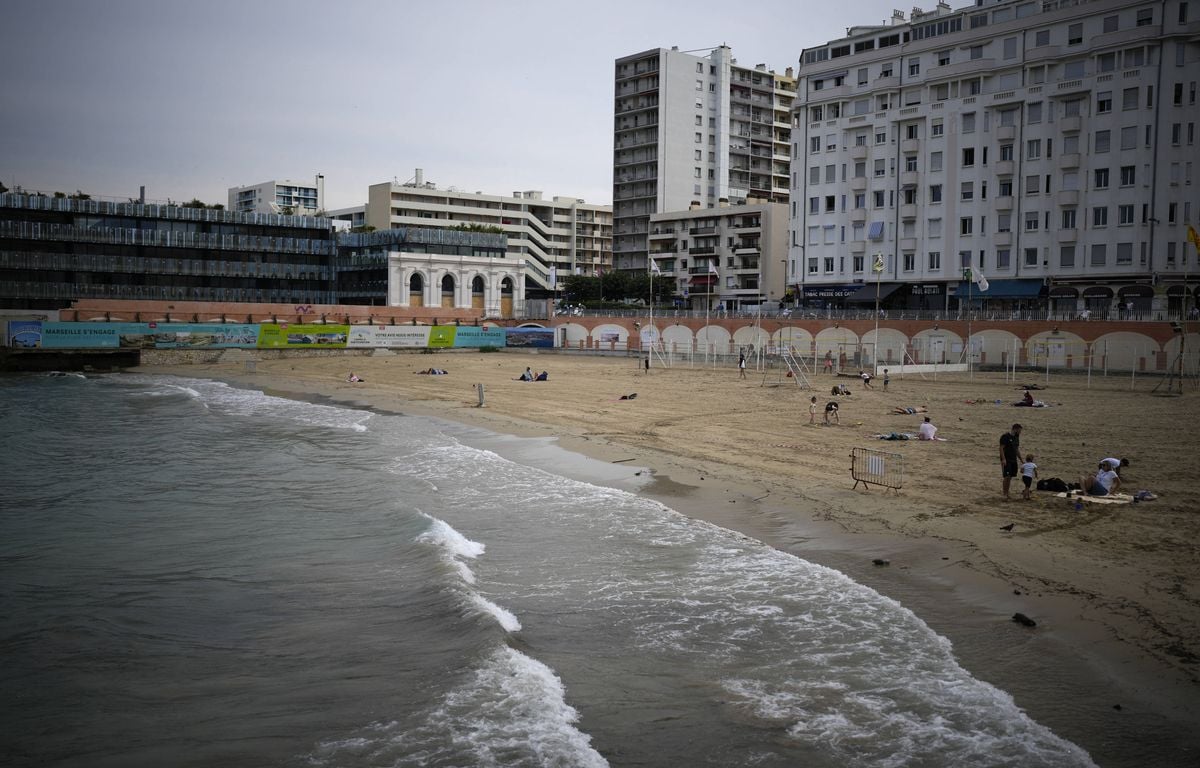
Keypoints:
pixel 1071 672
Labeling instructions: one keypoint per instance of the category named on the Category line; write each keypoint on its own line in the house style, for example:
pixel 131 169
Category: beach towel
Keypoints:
pixel 1112 498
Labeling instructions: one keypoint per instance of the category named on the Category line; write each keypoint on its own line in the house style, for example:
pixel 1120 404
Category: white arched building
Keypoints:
pixel 495 285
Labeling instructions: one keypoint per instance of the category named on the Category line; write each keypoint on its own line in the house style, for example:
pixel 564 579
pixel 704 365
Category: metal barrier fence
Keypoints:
pixel 871 467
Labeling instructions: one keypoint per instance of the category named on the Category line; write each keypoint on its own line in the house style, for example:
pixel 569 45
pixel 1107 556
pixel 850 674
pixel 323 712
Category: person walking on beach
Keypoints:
pixel 1010 452
pixel 742 365
pixel 886 379
pixel 829 362
pixel 1028 474
pixel 812 410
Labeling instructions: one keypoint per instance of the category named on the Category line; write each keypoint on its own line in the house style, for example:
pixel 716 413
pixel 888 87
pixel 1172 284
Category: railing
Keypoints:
pixel 975 315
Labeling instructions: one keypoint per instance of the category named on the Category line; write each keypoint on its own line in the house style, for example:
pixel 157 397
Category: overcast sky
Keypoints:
pixel 191 98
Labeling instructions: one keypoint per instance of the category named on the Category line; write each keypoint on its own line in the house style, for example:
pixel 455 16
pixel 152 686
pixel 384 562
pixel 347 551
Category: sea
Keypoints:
pixel 197 574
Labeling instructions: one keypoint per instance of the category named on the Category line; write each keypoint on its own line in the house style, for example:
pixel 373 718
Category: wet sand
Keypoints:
pixel 1115 589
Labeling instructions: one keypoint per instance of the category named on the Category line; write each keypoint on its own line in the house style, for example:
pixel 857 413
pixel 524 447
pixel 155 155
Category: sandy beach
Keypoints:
pixel 1114 589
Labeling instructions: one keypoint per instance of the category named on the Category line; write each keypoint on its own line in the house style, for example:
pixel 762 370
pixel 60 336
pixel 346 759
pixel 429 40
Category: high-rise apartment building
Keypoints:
pixel 286 197
pixel 565 234
pixel 694 131
pixel 1051 146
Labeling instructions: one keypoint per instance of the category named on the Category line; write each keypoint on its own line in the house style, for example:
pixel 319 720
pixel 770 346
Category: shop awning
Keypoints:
pixel 1001 289
pixel 1097 292
pixel 1136 291
pixel 1064 292
pixel 829 291
pixel 702 280
pixel 866 294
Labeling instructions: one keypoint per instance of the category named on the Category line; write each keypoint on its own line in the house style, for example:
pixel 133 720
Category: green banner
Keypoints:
pixel 302 336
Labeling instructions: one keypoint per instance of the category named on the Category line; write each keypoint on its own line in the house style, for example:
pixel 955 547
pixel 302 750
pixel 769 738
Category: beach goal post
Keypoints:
pixel 871 467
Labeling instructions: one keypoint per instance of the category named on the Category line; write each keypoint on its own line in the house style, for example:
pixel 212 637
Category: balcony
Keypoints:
pixel 858 152
pixel 1005 168
pixel 1003 238
pixel 1068 235
pixel 1004 203
pixel 1006 132
pixel 1068 197
pixel 908 212
pixel 858 215
pixel 858 246
pixel 908 244
pixel 1071 124
pixel 858 184
pixel 910 146
pixel 909 178
pixel 961 69
pixel 1069 160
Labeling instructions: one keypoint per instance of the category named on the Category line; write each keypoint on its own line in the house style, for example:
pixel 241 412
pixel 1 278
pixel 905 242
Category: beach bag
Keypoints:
pixel 1053 484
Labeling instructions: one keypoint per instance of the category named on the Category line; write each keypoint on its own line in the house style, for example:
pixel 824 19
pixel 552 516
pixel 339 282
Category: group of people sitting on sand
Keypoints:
pixel 529 375
pixel 433 372
pixel 1106 480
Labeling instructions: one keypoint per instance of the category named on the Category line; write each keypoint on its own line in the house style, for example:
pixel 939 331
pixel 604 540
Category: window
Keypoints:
pixel 1075 34
pixel 1041 37
pixel 1145 17
pixel 968 190
pixel 914 66
pixel 828 264
pixel 881 137
pixel 1128 176
pixel 935 193
pixel 1002 258
pixel 1103 139
pixel 1099 255
pixel 885 70
pixel 1133 57
pixel 700 68
pixel 910 262
pixel 860 139
pixel 699 85
pixel 936 128
pixel 912 131
pixel 814 175
pixel 935 260
pixel 1124 253
pixel 1108 62
pixel 1111 23
pixel 1129 98
pixel 968 157
pixel 1124 215
pixel 699 120
pixel 1033 149
pixel 1176 133
pixel 1006 152
pixel 1073 108
pixel 976 52
pixel 876 231
pixel 1070 145
pixel 1006 187
pixel 968 122
pixel 1183 13
pixel 814 205
pixel 880 168
pixel 1033 113
pixel 1066 256
pixel 934 229
pixel 696 172
pixel 699 155
pixel 1172 212
pixel 964 259
pixel 910 163
pixel 935 161
pixel 860 200
pixel 1031 257
pixel 1068 219
pixel 699 137
pixel 1104 102
pixel 862 76
pixel 1032 221
pixel 1129 137
pixel 1100 216
pixel 830 142
pixel 1177 98
pixel 1032 187
pixel 830 174
pixel 965 225
pixel 1010 48
pixel 860 169
pixel 910 197
pixel 1004 222
pixel 830 203
pixel 877 198
pixel 812 266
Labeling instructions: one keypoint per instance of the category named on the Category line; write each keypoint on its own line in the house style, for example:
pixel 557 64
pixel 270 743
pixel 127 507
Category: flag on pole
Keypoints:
pixel 712 266
pixel 654 267
pixel 1193 238
pixel 878 266
pixel 975 276
pixel 553 278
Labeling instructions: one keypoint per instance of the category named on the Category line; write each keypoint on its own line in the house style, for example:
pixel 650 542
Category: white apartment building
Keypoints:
pixel 563 234
pixel 290 197
pixel 694 131
pixel 1050 145
pixel 730 258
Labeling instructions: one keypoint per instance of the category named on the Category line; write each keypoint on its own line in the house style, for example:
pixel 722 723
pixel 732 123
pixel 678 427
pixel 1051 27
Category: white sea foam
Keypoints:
pixel 443 534
pixel 503 616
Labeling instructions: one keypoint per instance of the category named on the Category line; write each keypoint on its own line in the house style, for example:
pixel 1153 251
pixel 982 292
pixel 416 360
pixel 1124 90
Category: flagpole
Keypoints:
pixel 970 281
pixel 878 277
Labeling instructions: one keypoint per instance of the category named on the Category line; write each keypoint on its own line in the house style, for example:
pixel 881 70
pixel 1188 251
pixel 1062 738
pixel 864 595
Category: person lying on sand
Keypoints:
pixel 433 371
pixel 630 396
pixel 902 410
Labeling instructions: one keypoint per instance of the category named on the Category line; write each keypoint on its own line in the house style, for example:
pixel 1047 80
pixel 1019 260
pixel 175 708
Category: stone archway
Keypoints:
pixel 506 297
pixel 416 290
pixel 447 297
pixel 477 292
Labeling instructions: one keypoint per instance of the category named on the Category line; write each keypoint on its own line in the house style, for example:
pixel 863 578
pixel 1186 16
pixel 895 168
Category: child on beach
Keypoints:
pixel 812 410
pixel 1028 473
